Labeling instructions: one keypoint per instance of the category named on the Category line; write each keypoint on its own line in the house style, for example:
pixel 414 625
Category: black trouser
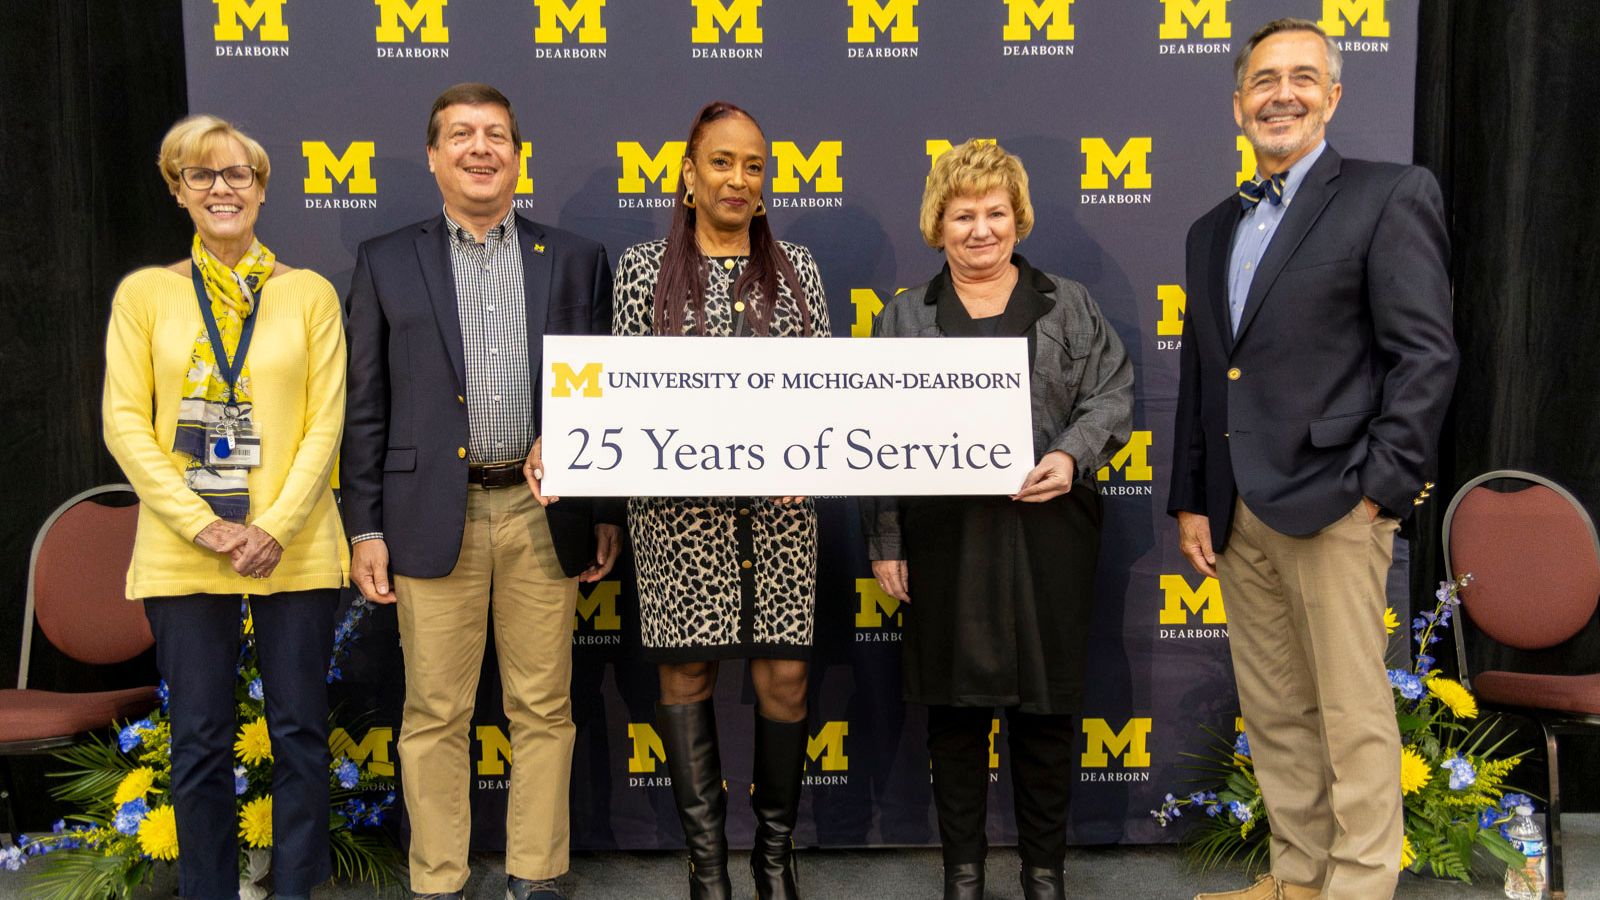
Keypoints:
pixel 197 651
pixel 1041 762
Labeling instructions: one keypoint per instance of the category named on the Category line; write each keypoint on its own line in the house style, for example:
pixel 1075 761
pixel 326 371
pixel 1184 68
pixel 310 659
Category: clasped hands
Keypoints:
pixel 253 552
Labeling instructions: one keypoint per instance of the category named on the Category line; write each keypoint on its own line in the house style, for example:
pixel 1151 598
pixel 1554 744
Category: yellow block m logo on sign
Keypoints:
pixel 868 17
pixel 738 17
pixel 1173 305
pixel 586 380
pixel 1247 160
pixel 1025 17
pixel 1370 13
pixel 1131 164
pixel 581 17
pixel 524 180
pixel 875 604
pixel 264 17
pixel 495 750
pixel 639 166
pixel 827 747
pixel 1129 743
pixel 600 607
pixel 820 167
pixel 425 17
pixel 352 168
pixel 1183 601
pixel 647 748
pixel 371 752
pixel 1133 460
pixel 1210 16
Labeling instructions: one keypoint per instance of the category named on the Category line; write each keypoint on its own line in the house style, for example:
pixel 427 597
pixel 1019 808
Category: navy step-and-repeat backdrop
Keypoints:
pixel 1120 110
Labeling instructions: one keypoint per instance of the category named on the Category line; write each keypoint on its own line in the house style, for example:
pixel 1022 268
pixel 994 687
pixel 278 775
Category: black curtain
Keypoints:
pixel 1507 97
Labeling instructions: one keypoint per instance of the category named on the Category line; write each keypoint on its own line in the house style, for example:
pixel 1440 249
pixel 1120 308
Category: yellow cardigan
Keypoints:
pixel 297 369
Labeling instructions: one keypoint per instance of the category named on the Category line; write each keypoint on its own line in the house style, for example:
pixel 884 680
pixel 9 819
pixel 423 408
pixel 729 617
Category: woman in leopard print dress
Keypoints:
pixel 726 577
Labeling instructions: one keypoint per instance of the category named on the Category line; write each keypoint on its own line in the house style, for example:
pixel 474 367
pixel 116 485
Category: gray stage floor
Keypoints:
pixel 1114 873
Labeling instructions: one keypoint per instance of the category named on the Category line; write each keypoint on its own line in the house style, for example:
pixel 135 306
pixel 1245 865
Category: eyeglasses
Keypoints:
pixel 200 178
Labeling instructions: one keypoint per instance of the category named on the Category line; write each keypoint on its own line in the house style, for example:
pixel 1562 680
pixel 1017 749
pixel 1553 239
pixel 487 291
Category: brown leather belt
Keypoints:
pixel 496 475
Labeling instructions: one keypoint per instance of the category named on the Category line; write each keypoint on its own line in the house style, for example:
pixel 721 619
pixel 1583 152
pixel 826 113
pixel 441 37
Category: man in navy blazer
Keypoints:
pixel 1317 363
pixel 446 319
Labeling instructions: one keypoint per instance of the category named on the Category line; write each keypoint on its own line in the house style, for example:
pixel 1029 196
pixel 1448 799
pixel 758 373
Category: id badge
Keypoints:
pixel 233 445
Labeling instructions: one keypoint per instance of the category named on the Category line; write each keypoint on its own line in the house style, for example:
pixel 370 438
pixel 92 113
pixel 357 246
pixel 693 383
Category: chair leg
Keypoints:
pixel 1558 889
pixel 8 799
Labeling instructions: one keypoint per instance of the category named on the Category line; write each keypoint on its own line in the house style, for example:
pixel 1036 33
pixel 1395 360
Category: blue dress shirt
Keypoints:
pixel 1254 234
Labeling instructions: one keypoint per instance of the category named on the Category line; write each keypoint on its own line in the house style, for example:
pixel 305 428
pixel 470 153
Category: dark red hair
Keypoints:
pixel 681 285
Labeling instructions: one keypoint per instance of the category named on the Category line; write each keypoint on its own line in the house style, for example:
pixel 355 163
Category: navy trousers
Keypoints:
pixel 197 651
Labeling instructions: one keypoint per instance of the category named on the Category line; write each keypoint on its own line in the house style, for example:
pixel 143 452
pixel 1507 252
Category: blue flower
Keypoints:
pixel 1409 685
pixel 1424 664
pixel 334 674
pixel 1512 801
pixel 1241 745
pixel 11 858
pixel 1240 811
pixel 132 735
pixel 240 782
pixel 256 691
pixel 164 694
pixel 129 815
pixel 1213 809
pixel 1462 775
pixel 1488 817
pixel 1198 798
pixel 349 773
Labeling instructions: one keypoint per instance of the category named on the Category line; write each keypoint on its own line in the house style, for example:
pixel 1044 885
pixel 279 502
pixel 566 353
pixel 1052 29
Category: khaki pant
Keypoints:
pixel 506 552
pixel 1305 627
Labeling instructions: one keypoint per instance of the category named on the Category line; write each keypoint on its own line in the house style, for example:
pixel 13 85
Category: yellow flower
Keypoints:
pixel 1453 695
pixel 135 784
pixel 158 835
pixel 253 745
pixel 1390 621
pixel 1408 853
pixel 255 822
pixel 1414 771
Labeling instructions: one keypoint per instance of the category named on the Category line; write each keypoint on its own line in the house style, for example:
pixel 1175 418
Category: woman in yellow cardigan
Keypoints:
pixel 224 401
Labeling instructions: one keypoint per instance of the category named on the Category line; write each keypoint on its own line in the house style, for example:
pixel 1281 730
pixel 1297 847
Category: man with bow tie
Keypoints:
pixel 1317 364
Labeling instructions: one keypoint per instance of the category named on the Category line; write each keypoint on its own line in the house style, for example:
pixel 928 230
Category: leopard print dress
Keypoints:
pixel 721 577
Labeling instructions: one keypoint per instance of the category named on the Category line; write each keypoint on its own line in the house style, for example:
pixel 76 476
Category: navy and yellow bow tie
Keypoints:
pixel 1269 189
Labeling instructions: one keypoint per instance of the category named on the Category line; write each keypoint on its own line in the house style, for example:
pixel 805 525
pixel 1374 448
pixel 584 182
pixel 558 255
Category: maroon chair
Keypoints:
pixel 1534 558
pixel 76 578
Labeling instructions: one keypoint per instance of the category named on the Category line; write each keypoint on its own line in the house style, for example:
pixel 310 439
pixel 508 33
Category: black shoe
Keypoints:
pixel 963 881
pixel 1043 883
pixel 780 760
pixel 689 736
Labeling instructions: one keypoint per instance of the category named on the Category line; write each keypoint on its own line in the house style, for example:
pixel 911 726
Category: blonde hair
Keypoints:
pixel 193 137
pixel 973 169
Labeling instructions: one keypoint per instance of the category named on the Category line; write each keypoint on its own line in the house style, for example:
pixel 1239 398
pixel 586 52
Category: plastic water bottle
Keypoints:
pixel 1526 882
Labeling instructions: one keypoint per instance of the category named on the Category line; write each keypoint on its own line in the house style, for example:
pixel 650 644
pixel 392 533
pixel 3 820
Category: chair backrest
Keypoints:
pixel 1533 556
pixel 77 580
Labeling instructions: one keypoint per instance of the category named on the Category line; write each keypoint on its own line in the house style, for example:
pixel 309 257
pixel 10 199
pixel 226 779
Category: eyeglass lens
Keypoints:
pixel 200 178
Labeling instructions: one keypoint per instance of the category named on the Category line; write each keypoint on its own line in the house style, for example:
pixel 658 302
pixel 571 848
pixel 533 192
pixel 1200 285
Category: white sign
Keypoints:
pixel 688 416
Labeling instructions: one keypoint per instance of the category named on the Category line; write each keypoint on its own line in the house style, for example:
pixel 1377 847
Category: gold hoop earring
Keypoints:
pixel 688 199
pixel 761 207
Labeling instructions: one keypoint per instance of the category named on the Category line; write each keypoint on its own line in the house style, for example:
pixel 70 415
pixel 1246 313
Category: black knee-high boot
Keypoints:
pixel 689 736
pixel 779 762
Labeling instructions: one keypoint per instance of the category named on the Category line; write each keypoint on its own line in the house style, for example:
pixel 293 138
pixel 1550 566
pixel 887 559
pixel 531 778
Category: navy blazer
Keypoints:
pixel 1337 383
pixel 403 467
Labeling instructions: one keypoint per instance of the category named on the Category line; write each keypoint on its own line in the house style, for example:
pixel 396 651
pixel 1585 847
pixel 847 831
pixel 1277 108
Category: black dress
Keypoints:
pixel 1001 590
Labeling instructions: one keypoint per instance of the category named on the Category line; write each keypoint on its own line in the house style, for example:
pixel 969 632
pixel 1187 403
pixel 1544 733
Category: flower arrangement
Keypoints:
pixel 1451 778
pixel 126 826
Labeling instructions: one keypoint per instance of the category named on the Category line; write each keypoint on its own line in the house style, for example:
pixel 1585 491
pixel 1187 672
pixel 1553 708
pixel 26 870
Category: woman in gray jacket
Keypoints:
pixel 1002 586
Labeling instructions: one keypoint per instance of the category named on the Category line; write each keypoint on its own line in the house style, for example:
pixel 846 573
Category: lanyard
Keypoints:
pixel 229 368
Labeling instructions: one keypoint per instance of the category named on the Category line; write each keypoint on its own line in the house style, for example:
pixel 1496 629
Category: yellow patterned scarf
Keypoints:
pixel 232 293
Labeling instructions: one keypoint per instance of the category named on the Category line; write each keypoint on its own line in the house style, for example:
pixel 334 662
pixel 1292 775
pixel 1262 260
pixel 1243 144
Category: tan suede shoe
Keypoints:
pixel 1265 888
pixel 1289 891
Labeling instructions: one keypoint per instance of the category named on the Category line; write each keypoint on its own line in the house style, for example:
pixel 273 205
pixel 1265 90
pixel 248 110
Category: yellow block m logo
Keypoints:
pixel 827 747
pixel 264 17
pixel 647 748
pixel 820 167
pixel 371 752
pixel 524 180
pixel 1247 160
pixel 1370 13
pixel 639 166
pixel 425 17
pixel 1210 16
pixel 1183 601
pixel 875 604
pixel 600 607
pixel 352 168
pixel 1129 743
pixel 581 17
pixel 1131 164
pixel 868 17
pixel 1173 304
pixel 495 750
pixel 1028 16
pixel 1133 460
pixel 586 380
pixel 738 17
